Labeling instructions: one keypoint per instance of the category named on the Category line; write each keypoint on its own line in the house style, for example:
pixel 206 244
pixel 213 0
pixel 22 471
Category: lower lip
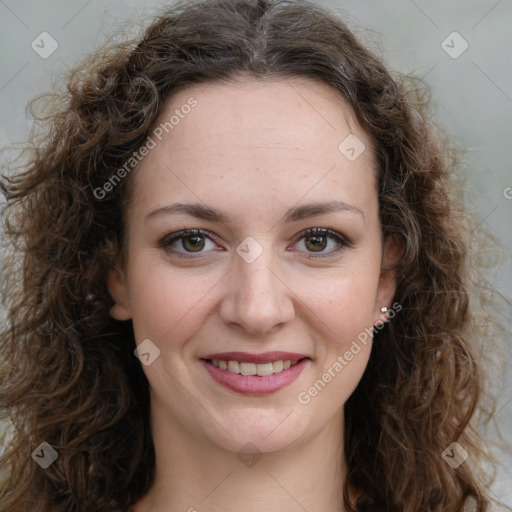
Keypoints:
pixel 253 384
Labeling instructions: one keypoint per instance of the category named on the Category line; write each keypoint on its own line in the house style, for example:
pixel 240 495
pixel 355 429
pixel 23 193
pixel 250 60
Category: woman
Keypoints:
pixel 244 281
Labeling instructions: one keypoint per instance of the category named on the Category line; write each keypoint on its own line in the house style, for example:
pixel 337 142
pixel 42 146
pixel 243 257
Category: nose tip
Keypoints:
pixel 258 299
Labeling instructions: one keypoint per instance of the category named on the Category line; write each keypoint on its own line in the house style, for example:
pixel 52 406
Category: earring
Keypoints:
pixel 383 309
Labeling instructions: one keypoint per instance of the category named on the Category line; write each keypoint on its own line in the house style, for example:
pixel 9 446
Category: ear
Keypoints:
pixel 391 253
pixel 116 284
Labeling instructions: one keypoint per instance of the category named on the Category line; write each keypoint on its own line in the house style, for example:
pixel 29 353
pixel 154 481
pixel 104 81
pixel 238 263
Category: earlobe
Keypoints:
pixel 385 294
pixel 116 285
pixel 387 279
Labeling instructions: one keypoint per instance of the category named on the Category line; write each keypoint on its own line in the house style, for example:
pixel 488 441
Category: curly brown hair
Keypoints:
pixel 69 376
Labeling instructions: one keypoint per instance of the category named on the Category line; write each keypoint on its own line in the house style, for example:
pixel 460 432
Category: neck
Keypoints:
pixel 192 475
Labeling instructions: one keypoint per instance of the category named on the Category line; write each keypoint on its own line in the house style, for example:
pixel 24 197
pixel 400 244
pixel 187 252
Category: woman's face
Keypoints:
pixel 249 160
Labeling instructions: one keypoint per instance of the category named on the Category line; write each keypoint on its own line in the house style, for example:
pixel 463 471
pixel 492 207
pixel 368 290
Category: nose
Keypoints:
pixel 259 299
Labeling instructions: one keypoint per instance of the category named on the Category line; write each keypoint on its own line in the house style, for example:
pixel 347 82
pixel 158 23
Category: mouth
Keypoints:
pixel 260 369
pixel 255 374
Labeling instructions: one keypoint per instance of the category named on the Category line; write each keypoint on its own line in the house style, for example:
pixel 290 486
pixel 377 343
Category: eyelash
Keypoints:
pixel 169 239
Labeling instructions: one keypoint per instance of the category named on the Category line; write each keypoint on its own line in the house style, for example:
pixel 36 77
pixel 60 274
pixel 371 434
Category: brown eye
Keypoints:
pixel 193 243
pixel 316 243
pixel 317 240
pixel 187 242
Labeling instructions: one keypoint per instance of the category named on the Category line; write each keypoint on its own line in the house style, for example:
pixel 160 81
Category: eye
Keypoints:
pixel 316 240
pixel 191 241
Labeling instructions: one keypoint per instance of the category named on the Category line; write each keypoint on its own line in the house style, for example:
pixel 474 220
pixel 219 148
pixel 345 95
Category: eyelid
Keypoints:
pixel 176 235
pixel 167 240
pixel 324 232
pixel 342 240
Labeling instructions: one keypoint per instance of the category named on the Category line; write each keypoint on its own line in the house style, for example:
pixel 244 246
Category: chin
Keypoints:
pixel 265 431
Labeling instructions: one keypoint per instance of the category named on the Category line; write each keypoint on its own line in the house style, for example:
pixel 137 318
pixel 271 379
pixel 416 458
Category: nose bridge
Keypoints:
pixel 258 300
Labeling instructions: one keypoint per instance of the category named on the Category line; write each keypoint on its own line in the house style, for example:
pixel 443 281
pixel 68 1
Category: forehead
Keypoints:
pixel 296 110
pixel 266 136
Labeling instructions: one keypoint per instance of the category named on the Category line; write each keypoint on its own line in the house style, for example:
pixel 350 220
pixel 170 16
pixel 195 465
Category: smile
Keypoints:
pixel 250 374
pixel 261 369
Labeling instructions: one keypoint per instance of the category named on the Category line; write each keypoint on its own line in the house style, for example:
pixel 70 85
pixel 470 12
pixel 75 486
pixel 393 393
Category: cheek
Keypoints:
pixel 343 309
pixel 166 303
pixel 169 303
pixel 343 303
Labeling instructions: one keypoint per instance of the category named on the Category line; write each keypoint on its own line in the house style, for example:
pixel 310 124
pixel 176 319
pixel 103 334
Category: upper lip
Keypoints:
pixel 264 357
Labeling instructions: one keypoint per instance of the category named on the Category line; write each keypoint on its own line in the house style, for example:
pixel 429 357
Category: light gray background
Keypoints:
pixel 472 93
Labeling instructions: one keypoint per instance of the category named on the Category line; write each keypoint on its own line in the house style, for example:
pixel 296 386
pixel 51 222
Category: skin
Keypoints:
pixel 253 150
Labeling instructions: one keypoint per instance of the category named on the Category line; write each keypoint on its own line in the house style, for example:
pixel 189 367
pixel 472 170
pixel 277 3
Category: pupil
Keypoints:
pixel 319 242
pixel 195 245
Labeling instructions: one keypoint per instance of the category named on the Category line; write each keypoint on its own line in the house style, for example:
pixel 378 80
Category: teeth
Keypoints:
pixel 248 368
pixel 265 369
pixel 234 366
pixel 261 369
pixel 277 366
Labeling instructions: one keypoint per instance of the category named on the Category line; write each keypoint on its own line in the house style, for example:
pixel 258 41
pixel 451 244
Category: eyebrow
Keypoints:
pixel 204 212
